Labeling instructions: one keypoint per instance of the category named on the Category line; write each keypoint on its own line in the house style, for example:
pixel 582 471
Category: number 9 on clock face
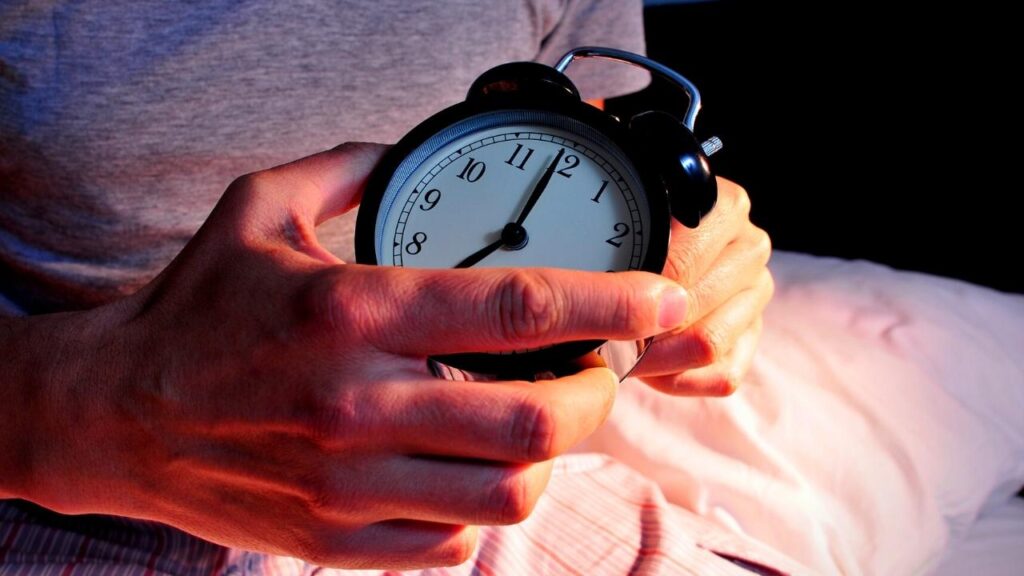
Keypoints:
pixel 514 189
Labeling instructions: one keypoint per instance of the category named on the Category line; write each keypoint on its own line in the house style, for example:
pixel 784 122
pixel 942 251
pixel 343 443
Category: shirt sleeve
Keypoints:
pixel 607 23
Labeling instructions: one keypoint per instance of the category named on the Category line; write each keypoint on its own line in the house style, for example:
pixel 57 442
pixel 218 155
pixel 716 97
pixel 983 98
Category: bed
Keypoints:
pixel 880 430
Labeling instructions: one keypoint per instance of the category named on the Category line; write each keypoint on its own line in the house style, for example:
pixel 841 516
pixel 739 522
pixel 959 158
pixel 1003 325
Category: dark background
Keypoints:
pixel 859 131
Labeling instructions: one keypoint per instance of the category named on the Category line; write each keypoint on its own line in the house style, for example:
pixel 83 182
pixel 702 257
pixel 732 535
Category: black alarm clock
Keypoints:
pixel 524 173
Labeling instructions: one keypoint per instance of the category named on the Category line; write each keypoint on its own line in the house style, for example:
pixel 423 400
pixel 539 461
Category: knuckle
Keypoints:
pixel 316 301
pixel 339 305
pixel 528 306
pixel 238 200
pixel 727 384
pixel 349 147
pixel 735 196
pixel 672 268
pixel 250 186
pixel 742 201
pixel 510 500
pixel 761 243
pixel 320 495
pixel 708 344
pixel 456 551
pixel 340 418
pixel 342 306
pixel 244 184
pixel 533 431
pixel 680 263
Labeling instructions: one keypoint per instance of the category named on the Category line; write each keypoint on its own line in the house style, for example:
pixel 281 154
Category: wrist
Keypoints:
pixel 51 391
pixel 19 398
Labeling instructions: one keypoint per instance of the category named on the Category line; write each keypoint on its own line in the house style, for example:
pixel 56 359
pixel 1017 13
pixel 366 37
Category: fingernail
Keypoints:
pixel 672 307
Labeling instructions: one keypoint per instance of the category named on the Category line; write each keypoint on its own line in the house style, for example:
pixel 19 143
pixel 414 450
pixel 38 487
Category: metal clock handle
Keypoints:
pixel 692 187
pixel 641 62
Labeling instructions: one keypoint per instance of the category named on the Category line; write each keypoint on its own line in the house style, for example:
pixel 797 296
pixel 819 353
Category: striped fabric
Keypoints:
pixel 597 517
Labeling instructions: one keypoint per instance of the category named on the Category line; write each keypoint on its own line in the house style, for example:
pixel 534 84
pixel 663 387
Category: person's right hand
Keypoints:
pixel 261 394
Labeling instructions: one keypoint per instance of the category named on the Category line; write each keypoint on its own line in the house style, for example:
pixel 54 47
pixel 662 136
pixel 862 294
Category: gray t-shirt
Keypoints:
pixel 122 122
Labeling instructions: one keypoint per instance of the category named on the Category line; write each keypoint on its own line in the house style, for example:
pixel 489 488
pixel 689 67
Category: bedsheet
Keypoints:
pixel 883 413
pixel 993 547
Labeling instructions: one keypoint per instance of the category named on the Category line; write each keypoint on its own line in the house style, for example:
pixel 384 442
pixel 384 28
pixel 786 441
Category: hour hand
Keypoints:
pixel 480 254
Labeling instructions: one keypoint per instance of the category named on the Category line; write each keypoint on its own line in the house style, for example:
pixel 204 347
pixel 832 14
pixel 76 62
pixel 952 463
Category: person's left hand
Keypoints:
pixel 723 265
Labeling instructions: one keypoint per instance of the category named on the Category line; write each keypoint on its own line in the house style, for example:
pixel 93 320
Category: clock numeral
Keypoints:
pixel 622 228
pixel 597 197
pixel 473 171
pixel 416 245
pixel 573 161
pixel 430 199
pixel 522 163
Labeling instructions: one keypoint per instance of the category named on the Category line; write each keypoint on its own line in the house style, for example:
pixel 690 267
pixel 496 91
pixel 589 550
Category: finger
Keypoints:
pixel 326 184
pixel 738 267
pixel 693 251
pixel 448 491
pixel 427 312
pixel 712 337
pixel 394 545
pixel 358 489
pixel 511 422
pixel 719 379
pixel 505 422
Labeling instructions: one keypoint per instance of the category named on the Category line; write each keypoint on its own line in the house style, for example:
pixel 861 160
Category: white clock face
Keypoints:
pixel 588 209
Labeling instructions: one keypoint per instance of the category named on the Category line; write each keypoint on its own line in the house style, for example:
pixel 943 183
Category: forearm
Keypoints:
pixel 44 389
pixel 20 388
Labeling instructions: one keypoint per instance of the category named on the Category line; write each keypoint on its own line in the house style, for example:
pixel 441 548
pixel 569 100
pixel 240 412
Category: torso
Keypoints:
pixel 121 125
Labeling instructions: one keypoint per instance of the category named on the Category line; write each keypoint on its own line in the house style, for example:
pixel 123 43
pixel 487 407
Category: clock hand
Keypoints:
pixel 539 188
pixel 481 254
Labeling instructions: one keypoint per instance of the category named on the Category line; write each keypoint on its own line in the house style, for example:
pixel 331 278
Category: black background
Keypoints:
pixel 859 131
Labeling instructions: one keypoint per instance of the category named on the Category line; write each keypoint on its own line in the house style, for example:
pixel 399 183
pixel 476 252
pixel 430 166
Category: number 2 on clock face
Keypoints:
pixel 592 213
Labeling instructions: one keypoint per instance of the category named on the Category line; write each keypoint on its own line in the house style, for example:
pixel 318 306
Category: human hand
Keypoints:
pixel 723 265
pixel 261 394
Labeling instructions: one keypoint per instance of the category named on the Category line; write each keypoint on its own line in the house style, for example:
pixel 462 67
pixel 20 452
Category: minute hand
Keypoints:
pixel 539 188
